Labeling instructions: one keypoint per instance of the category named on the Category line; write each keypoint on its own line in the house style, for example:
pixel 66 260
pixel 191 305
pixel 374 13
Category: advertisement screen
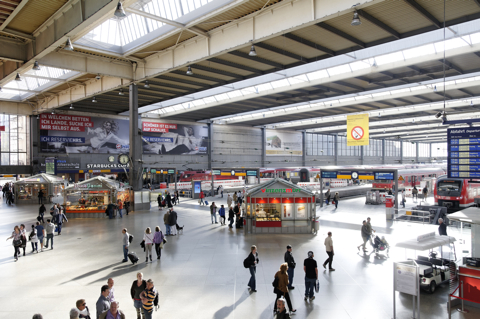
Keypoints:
pixel 197 187
pixel 50 165
pixel 174 139
pixel 82 134
pixel 283 143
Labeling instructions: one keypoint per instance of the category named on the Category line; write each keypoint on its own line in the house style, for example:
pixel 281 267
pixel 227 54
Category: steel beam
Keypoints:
pixel 217 71
pixel 311 44
pixel 341 34
pixel 282 52
pixel 424 13
pixel 257 59
pixel 16 10
pixel 200 76
pixel 378 23
pixel 236 65
pixel 451 66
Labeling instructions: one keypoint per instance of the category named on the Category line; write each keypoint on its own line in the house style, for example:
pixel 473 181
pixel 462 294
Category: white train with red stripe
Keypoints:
pixel 456 193
pixel 411 177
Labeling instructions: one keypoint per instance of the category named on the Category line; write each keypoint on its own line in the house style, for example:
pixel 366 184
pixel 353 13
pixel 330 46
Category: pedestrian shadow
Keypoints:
pixel 122 270
pixel 90 273
pixel 224 312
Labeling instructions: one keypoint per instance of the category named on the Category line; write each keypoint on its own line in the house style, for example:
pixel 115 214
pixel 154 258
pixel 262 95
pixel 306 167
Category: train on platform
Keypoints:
pixel 411 177
pixel 456 193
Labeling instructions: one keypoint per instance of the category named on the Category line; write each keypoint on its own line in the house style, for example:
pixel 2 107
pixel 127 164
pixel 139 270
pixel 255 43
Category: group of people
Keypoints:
pixel 168 200
pixel 283 278
pixel 234 214
pixel 335 199
pixel 8 193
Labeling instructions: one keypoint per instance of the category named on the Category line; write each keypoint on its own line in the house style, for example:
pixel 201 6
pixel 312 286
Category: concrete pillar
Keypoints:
pixel 430 154
pixel 136 168
pixel 383 151
pixel 304 148
pixel 362 155
pixel 416 153
pixel 401 152
pixel 336 148
pixel 210 144
pixel 264 145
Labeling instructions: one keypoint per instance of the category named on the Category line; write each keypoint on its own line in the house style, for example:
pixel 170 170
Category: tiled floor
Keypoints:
pixel 201 274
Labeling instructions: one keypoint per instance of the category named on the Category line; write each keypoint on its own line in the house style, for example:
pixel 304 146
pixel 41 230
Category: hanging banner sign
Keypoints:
pixel 357 130
pixel 157 127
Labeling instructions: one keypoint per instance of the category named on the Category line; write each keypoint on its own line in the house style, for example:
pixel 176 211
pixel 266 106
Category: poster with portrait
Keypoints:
pixel 301 211
pixel 287 211
pixel 61 133
pixel 280 143
pixel 174 139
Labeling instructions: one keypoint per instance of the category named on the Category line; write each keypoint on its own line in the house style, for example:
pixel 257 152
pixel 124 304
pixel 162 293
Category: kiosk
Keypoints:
pixel 27 189
pixel 90 198
pixel 279 206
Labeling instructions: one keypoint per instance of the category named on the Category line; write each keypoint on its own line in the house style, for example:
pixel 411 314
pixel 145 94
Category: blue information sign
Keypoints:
pixel 463 152
pixel 251 173
pixel 329 174
pixel 384 175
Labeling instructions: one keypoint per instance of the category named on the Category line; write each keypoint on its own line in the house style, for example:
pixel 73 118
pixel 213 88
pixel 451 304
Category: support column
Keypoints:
pixel 335 148
pixel 416 153
pixel 210 152
pixel 401 152
pixel 383 151
pixel 430 155
pixel 264 150
pixel 304 148
pixel 136 169
pixel 362 155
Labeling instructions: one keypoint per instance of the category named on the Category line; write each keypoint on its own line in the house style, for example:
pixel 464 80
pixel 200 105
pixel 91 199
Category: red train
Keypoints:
pixel 456 193
pixel 411 177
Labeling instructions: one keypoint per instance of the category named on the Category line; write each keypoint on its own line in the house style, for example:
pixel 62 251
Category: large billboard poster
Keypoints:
pixel 174 139
pixel 283 143
pixel 61 133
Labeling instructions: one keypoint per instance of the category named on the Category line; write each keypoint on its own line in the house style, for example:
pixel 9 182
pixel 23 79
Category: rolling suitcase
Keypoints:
pixel 133 257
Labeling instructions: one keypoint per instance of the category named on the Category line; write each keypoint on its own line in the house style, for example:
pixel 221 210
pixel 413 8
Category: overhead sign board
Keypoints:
pixel 357 130
pixel 384 176
pixel 463 152
pixel 251 173
pixel 50 163
pixel 329 174
pixel 406 277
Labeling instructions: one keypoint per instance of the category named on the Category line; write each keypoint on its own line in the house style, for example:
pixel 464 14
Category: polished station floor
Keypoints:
pixel 201 273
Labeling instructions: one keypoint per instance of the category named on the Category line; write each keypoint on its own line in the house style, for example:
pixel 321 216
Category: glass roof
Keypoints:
pixel 34 82
pixel 121 35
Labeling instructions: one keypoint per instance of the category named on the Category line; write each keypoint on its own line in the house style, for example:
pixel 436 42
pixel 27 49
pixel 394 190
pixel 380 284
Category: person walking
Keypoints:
pixel 110 210
pixel 365 235
pixel 148 296
pixel 229 200
pixel 84 312
pixel 33 239
pixel 370 230
pixel 148 238
pixel 111 294
pixel 113 312
pixel 41 213
pixel 17 241
pixel 311 276
pixel 281 311
pixel 329 248
pixel 173 222
pixel 177 197
pixel 138 286
pixel 336 198
pixel 40 234
pixel 288 258
pixel 159 201
pixel 166 222
pixel 221 190
pixel 24 237
pixel 235 197
pixel 403 198
pixel 442 229
pixel 253 260
pixel 281 290
pixel 40 197
pixel 327 197
pixel 157 240
pixel 120 207
pixel 126 244
pixel 168 199
pixel 103 304
pixel 221 212
pixel 60 218
pixel 425 193
pixel 231 216
pixel 202 196
pixel 415 192
pixel 213 212
pixel 49 229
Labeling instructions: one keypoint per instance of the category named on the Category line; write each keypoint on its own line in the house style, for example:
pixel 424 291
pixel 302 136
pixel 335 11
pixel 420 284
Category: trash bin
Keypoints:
pixel 389 209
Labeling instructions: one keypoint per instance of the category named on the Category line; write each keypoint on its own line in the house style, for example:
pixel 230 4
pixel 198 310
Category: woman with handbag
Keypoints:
pixel 33 239
pixel 158 241
pixel 148 238
pixel 24 238
pixel 281 287
pixel 17 241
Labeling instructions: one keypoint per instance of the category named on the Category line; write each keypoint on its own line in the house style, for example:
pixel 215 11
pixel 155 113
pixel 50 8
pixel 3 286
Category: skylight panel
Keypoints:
pixel 209 99
pixel 341 69
pixel 317 75
pixel 359 65
pixel 234 94
pixel 298 79
pixel 198 102
pixel 16 85
pixel 8 94
pixel 264 87
pixel 475 38
pixel 221 97
pixel 450 44
pixel 389 58
pixel 249 90
pixel 280 83
pixel 419 51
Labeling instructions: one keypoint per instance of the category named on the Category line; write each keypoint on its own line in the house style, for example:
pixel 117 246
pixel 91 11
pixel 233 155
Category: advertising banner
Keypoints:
pixel 357 130
pixel 283 143
pixel 175 139
pixel 83 134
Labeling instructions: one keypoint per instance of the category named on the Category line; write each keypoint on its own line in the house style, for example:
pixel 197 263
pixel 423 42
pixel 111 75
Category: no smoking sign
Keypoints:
pixel 357 133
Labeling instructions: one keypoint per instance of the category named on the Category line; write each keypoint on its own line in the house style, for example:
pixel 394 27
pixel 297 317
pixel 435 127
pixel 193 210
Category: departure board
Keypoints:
pixel 463 152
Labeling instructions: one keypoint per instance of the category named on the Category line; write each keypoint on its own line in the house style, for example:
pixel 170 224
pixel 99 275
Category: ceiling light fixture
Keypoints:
pixel 68 46
pixel 98 77
pixel 38 117
pixel 36 67
pixel 71 107
pixel 53 111
pixel 119 12
pixel 121 92
pixel 94 100
pixel 252 51
pixel 438 115
pixel 18 78
pixel 189 70
pixel 356 20
pixel 147 86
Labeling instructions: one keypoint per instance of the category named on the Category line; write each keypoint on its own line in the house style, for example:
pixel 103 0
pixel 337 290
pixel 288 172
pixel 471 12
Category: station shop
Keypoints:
pixel 90 198
pixel 27 190
pixel 278 206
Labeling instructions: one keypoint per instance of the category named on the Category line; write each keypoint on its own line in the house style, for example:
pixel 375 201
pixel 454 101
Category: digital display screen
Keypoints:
pixel 197 187
pixel 329 174
pixel 50 165
pixel 384 175
pixel 463 152
pixel 153 171
pixel 216 172
pixel 251 173
pixel 171 171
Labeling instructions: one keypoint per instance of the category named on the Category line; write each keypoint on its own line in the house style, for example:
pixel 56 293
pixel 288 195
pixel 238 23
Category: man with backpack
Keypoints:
pixel 149 299
pixel 213 212
pixel 166 222
pixel 126 244
pixel 60 217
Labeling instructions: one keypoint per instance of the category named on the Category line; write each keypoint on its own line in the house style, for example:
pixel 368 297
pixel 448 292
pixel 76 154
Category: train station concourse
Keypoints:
pixel 240 158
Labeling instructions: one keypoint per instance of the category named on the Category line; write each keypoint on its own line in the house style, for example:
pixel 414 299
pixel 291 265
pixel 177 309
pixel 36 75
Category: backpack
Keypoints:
pixel 155 301
pixel 130 238
pixel 275 282
pixel 246 263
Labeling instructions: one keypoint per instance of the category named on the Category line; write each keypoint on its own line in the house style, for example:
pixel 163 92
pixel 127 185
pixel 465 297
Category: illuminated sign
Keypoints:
pixel 281 190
